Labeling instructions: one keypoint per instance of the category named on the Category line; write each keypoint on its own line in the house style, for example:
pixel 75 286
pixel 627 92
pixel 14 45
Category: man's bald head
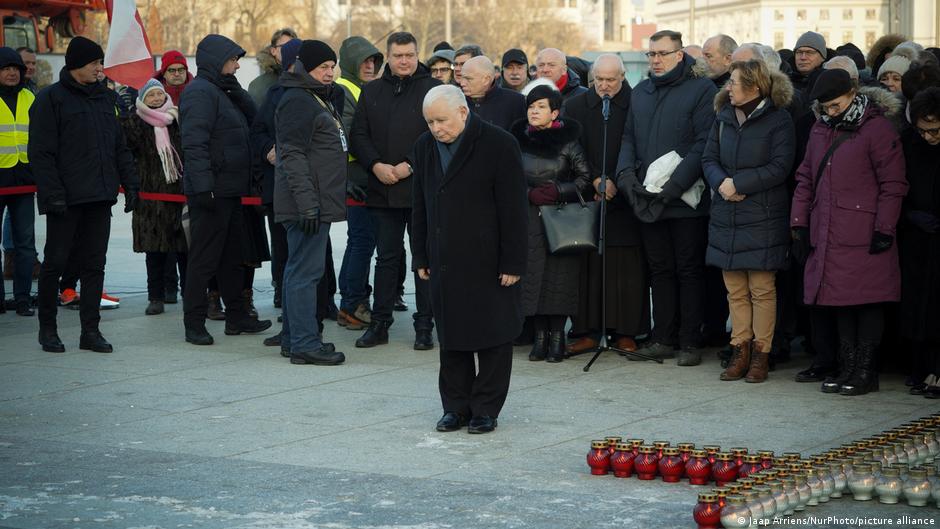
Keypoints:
pixel 477 77
pixel 551 63
pixel 608 74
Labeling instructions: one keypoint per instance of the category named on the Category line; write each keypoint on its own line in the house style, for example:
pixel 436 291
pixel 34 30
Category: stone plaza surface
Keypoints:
pixel 163 434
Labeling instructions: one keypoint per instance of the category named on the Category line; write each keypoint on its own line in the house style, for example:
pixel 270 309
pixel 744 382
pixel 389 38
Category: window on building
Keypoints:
pixel 847 36
pixel 869 39
pixel 823 14
pixel 801 14
pixel 778 15
pixel 846 14
pixel 778 40
pixel 871 14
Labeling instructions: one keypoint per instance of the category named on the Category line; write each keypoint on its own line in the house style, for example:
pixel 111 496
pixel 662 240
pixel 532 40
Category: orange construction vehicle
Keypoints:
pixel 35 23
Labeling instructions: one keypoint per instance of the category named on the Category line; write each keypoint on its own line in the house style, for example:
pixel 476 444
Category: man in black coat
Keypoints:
pixel 499 106
pixel 671 111
pixel 552 64
pixel 215 113
pixel 469 243
pixel 388 121
pixel 627 299
pixel 79 160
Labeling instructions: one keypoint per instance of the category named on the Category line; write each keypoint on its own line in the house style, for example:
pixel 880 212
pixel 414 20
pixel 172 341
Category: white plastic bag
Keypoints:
pixel 660 171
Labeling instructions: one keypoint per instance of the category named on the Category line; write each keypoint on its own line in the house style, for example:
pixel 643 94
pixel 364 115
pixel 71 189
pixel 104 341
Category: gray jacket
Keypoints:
pixel 311 161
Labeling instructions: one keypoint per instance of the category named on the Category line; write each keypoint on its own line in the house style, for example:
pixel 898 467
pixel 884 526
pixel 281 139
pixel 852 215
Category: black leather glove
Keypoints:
pixel 310 221
pixel 670 193
pixel 924 220
pixel 800 246
pixel 356 191
pixel 203 200
pixel 880 243
pixel 57 208
pixel 131 198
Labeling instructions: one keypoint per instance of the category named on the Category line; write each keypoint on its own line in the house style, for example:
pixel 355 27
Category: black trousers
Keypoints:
pixel 861 323
pixel 80 237
pixel 278 250
pixel 390 225
pixel 716 305
pixel 824 336
pixel 326 287
pixel 216 249
pixel 473 393
pixel 161 269
pixel 675 252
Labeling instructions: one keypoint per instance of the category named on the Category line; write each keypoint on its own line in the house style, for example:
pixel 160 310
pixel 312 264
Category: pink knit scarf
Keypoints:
pixel 160 119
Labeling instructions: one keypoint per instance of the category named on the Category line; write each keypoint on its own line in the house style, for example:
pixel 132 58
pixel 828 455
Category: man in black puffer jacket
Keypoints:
pixel 79 159
pixel 215 112
pixel 671 111
pixel 388 122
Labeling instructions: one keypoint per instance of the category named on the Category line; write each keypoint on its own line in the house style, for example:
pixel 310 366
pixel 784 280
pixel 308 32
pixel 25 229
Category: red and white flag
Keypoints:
pixel 128 59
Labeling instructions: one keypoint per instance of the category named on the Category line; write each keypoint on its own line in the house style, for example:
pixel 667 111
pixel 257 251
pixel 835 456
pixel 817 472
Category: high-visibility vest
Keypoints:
pixel 355 91
pixel 14 132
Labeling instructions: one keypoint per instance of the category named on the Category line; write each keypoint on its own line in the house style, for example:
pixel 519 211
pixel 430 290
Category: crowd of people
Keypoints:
pixel 795 191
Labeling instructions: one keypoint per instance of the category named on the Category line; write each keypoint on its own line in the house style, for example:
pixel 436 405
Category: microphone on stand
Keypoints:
pixel 605 109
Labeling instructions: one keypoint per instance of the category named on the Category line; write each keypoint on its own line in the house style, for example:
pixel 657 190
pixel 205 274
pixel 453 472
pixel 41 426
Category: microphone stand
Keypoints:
pixel 603 345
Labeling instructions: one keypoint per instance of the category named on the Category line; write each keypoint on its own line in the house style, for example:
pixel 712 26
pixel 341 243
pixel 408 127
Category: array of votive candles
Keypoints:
pixel 753 489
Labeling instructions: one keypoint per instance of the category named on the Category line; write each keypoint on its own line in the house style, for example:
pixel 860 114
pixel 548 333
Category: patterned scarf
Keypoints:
pixel 849 120
pixel 160 119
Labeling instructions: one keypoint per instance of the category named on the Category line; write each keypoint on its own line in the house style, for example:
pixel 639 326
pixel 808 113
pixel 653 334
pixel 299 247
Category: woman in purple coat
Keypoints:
pixel 847 201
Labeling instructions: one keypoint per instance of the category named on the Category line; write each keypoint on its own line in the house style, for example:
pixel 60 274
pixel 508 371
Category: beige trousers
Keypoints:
pixel 752 301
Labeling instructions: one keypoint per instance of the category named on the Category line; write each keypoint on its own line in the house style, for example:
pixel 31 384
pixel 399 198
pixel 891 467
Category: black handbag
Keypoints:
pixel 571 227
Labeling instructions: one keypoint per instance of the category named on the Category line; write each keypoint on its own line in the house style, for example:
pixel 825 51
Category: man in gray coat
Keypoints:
pixel 309 194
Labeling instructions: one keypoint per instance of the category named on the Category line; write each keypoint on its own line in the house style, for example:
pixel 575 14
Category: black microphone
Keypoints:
pixel 605 110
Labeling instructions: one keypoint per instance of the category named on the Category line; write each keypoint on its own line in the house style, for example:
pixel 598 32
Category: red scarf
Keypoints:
pixel 562 82
pixel 175 92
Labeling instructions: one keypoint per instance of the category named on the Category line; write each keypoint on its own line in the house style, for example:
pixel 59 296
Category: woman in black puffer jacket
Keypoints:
pixel 556 171
pixel 746 162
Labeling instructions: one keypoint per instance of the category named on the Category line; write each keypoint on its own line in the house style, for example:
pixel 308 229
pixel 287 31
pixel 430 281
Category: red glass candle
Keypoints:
pixel 766 458
pixel 750 466
pixel 659 446
pixel 722 494
pixel 612 444
pixel 621 462
pixel 711 450
pixel 739 454
pixel 670 465
pixel 598 458
pixel 636 444
pixel 707 513
pixel 724 470
pixel 646 463
pixel 685 452
pixel 698 469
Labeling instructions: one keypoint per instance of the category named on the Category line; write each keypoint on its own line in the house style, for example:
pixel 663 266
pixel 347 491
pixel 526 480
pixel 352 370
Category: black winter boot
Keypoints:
pixel 848 358
pixel 539 346
pixel 556 346
pixel 864 378
pixel 376 334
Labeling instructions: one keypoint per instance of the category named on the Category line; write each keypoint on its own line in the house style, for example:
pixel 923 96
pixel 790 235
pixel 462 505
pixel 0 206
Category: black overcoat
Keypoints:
pixel 469 226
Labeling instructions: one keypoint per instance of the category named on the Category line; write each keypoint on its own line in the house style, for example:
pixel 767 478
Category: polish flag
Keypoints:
pixel 128 59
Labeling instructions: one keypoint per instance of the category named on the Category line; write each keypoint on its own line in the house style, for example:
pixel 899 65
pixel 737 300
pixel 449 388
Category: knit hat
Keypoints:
pixel 82 51
pixel 814 40
pixel 441 55
pixel 172 57
pixel 313 53
pixel 831 84
pixel 151 84
pixel 851 51
pixel 896 64
pixel 515 55
pixel 289 53
pixel 544 92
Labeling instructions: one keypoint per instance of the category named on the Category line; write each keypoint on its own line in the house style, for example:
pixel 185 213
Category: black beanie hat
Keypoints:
pixel 831 84
pixel 82 51
pixel 313 53
pixel 544 92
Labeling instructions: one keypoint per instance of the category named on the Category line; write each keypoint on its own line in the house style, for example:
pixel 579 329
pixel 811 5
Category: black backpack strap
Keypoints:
pixel 825 159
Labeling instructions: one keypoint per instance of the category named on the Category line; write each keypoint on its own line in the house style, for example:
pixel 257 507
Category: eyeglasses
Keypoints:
pixel 935 133
pixel 176 70
pixel 806 53
pixel 660 54
pixel 445 69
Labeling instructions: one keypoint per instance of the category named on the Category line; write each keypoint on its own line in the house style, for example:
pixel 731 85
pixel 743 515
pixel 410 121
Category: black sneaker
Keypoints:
pixel 246 326
pixel 93 341
pixel 323 357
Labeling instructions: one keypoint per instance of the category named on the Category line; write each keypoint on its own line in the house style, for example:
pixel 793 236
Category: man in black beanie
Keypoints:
pixel 79 159
pixel 215 115
pixel 309 193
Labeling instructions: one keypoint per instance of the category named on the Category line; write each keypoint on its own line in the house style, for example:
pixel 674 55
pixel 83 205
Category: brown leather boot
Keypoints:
pixel 214 311
pixel 740 360
pixel 760 360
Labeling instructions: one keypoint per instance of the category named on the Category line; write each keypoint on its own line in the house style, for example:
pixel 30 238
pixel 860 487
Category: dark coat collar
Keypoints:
pixel 470 134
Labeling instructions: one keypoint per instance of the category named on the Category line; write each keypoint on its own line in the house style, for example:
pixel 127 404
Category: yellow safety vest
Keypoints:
pixel 355 91
pixel 14 132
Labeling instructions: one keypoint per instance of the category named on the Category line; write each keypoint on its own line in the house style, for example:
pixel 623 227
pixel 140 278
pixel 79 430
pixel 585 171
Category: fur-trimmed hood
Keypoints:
pixel 545 142
pixel 781 92
pixel 884 44
pixel 887 102
pixel 700 68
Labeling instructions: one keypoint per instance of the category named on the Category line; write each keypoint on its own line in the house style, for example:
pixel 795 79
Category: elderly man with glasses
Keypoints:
pixel 671 111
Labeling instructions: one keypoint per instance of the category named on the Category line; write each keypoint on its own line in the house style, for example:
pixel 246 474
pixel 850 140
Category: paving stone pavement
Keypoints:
pixel 163 434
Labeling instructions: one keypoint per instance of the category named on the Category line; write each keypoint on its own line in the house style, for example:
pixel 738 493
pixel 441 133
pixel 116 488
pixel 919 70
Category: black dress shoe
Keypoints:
pixel 273 341
pixel 93 341
pixel 154 307
pixel 816 373
pixel 323 357
pixel 170 297
pixel 328 347
pixel 199 336
pixel 23 308
pixel 246 326
pixel 451 422
pixel 376 334
pixel 423 341
pixel 400 305
pixel 484 424
pixel 50 342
